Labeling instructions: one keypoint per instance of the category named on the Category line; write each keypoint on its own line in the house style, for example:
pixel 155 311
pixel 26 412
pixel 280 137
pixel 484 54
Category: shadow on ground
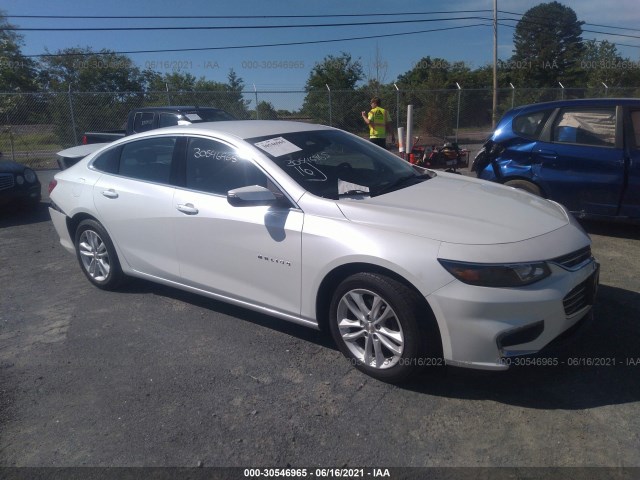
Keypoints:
pixel 598 366
pixel 629 231
pixel 13 216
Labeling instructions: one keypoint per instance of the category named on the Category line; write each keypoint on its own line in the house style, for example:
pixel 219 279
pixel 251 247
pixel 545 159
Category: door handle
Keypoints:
pixel 110 193
pixel 187 208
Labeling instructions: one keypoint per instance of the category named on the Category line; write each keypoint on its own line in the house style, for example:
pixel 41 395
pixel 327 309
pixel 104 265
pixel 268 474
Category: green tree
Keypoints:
pixel 85 70
pixel 266 111
pixel 430 86
pixel 103 86
pixel 17 75
pixel 603 64
pixel 341 74
pixel 17 72
pixel 548 46
pixel 233 100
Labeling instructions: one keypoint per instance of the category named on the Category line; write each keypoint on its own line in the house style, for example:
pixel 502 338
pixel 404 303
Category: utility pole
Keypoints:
pixel 494 110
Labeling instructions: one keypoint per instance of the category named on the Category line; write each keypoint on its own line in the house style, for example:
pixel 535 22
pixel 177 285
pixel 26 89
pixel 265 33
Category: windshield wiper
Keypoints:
pixel 401 181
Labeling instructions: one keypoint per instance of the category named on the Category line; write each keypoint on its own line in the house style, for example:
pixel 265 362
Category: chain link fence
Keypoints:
pixel 34 126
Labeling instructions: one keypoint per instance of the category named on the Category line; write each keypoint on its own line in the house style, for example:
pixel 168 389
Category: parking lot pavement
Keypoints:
pixel 152 376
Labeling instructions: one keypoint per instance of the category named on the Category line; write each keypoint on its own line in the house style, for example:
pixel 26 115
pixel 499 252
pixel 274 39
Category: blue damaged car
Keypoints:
pixel 584 154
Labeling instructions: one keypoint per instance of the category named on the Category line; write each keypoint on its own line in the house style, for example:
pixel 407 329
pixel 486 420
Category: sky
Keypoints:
pixel 281 68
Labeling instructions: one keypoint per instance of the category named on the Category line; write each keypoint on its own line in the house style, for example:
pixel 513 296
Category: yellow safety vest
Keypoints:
pixel 378 123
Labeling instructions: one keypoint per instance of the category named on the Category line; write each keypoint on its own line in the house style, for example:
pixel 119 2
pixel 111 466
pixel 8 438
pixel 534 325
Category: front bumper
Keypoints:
pixel 482 326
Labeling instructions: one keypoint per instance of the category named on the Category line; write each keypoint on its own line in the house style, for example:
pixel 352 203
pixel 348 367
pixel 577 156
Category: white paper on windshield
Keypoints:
pixel 344 187
pixel 276 147
pixel 194 117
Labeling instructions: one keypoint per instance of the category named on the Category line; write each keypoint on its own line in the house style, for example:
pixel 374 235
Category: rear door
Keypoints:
pixel 581 159
pixel 134 199
pixel 630 206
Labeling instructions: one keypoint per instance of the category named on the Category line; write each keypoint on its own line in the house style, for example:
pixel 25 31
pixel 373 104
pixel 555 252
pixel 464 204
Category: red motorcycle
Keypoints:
pixel 449 156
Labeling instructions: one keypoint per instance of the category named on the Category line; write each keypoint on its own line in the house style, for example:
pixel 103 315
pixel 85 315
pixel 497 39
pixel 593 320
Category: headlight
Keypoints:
pixel 30 175
pixel 19 179
pixel 497 275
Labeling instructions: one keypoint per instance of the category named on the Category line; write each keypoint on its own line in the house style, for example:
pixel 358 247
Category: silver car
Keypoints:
pixel 406 267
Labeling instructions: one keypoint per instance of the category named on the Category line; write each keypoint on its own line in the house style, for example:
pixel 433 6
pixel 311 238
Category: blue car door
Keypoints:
pixel 630 206
pixel 580 159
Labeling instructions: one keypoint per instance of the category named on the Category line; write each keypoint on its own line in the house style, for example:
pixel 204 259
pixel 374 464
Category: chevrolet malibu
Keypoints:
pixel 404 266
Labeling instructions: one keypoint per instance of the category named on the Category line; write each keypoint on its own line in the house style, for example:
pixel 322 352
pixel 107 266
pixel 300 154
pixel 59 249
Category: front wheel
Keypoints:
pixel 378 324
pixel 97 255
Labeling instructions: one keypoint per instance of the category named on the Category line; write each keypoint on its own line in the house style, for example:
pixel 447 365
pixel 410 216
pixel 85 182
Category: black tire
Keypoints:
pixel 97 256
pixel 524 185
pixel 398 318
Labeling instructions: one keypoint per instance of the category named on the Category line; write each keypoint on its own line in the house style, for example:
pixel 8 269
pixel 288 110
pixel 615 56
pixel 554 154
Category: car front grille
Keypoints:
pixel 574 260
pixel 581 296
pixel 6 181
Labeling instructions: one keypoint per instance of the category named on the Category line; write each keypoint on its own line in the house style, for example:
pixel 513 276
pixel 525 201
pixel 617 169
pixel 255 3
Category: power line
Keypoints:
pixel 310 42
pixel 151 17
pixel 227 27
pixel 587 39
pixel 584 29
pixel 584 23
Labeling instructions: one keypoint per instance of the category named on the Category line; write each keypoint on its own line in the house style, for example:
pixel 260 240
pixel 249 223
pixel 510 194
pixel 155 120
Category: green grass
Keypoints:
pixel 37 150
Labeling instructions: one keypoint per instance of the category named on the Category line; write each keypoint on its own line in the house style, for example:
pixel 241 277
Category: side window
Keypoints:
pixel 594 126
pixel 108 161
pixel 143 121
pixel 635 122
pixel 148 159
pixel 167 120
pixel 531 125
pixel 214 167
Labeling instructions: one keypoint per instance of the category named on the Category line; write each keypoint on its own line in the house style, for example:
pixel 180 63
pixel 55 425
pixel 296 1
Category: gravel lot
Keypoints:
pixel 152 376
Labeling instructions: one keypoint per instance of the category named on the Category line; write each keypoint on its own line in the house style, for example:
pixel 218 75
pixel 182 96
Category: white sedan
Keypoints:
pixel 406 267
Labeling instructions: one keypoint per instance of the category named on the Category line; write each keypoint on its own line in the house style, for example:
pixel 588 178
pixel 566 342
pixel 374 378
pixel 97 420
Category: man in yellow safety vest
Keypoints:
pixel 379 124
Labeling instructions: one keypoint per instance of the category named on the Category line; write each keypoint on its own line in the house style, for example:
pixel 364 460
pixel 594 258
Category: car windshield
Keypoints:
pixel 332 163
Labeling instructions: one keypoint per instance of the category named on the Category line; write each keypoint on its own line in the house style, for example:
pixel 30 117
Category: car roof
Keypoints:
pixel 246 128
pixel 594 102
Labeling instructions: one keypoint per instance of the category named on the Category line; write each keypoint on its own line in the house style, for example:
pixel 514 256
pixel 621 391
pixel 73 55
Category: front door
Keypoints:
pixel 248 253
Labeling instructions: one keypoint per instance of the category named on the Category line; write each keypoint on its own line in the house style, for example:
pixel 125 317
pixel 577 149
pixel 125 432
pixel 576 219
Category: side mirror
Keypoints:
pixel 251 196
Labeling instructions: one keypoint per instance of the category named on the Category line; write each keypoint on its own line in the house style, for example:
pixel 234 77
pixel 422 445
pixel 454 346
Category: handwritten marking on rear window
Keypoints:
pixel 223 156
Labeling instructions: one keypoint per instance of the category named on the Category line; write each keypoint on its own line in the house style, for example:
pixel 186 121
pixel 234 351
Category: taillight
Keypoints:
pixel 84 140
pixel 52 185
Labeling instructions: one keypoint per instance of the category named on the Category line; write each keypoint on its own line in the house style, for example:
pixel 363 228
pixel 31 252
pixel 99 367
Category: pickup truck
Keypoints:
pixel 584 154
pixel 141 120
pixel 149 118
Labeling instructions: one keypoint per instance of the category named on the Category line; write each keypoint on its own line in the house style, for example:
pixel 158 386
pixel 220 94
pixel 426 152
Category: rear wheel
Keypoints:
pixel 379 325
pixel 97 255
pixel 524 185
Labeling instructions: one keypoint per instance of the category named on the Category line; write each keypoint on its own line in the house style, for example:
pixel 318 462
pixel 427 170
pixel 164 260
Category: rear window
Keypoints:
pixel 143 122
pixel 207 115
pixel 108 161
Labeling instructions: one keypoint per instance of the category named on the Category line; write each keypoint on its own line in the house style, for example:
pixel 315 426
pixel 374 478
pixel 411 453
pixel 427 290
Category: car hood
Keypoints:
pixel 7 166
pixel 457 209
